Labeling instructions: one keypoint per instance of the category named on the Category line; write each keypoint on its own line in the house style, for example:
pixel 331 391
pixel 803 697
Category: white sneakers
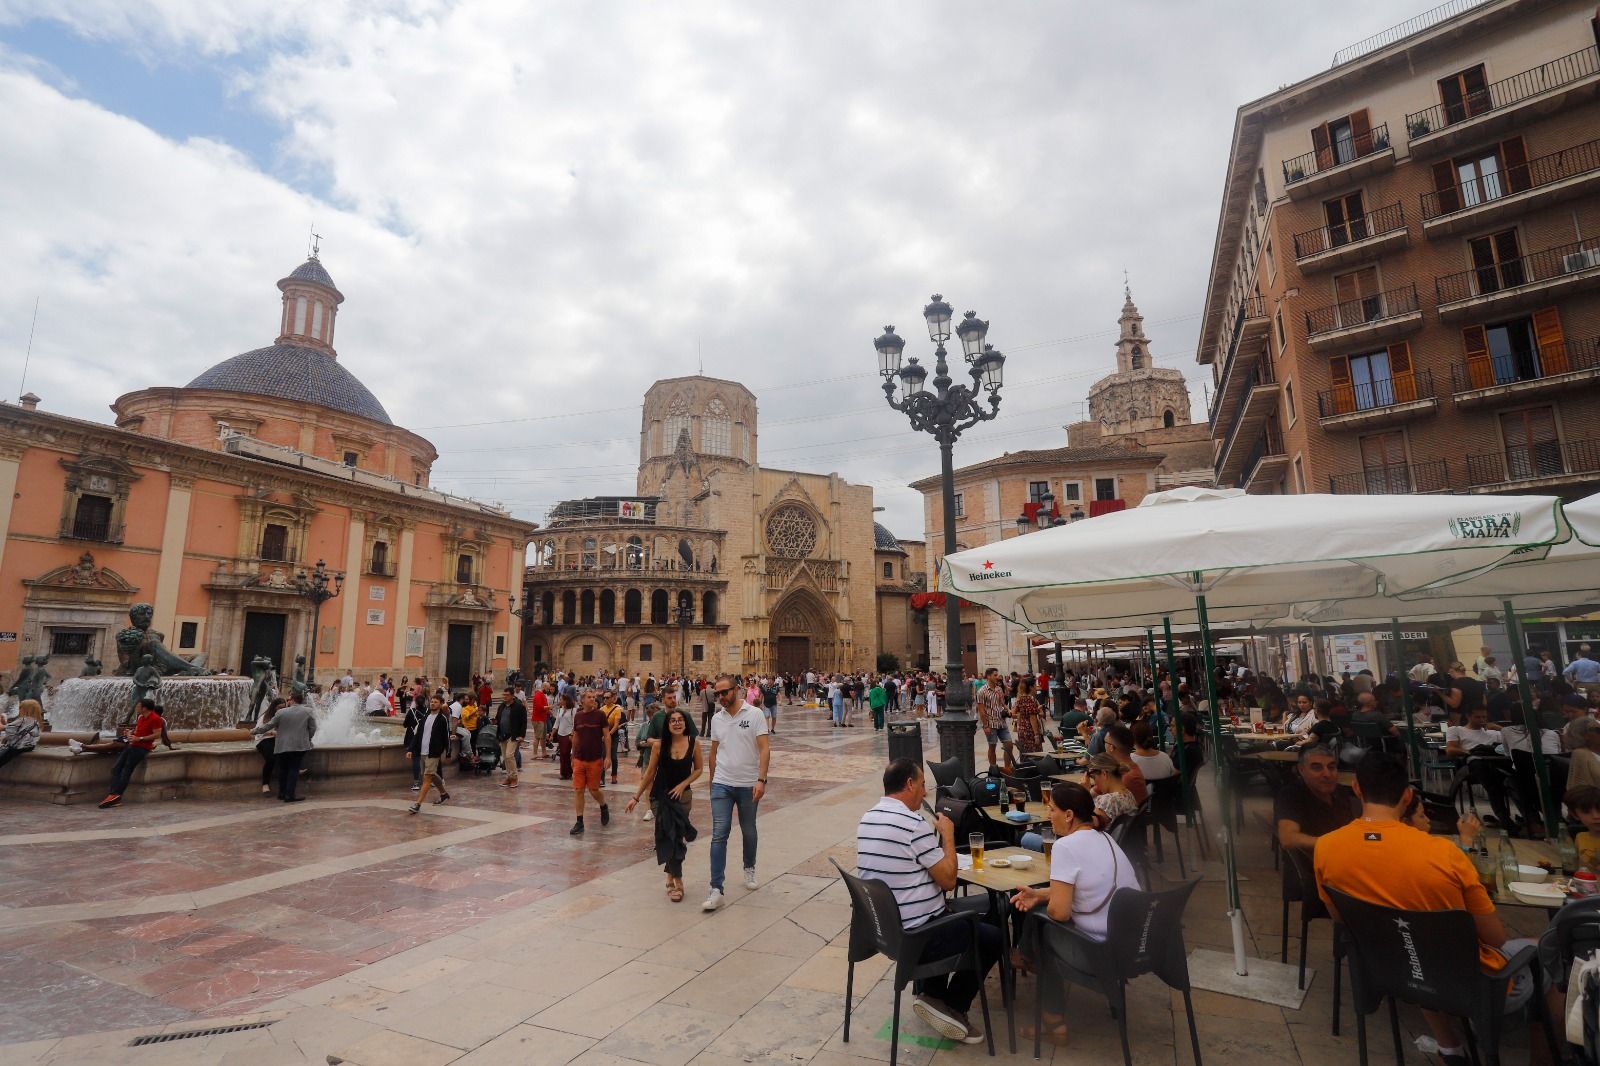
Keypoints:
pixel 750 878
pixel 713 901
pixel 649 815
pixel 75 747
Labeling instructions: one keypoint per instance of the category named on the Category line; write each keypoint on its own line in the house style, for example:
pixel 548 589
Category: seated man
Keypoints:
pixel 1313 803
pixel 896 846
pixel 1384 861
pixel 1575 709
pixel 1476 743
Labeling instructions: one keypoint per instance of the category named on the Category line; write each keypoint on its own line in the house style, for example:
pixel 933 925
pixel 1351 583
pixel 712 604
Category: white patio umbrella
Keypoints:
pixel 1198 554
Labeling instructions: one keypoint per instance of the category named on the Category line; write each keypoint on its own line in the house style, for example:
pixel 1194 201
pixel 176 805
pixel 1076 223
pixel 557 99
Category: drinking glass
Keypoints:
pixel 1048 835
pixel 975 846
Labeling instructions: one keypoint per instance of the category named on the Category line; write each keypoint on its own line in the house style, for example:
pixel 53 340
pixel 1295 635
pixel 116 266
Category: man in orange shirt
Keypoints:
pixel 1381 859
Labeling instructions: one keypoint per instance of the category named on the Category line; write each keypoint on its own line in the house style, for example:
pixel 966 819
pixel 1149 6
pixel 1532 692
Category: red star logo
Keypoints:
pixel 987 565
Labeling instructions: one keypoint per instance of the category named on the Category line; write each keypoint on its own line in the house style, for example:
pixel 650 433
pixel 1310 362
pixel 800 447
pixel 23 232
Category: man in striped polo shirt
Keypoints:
pixel 896 846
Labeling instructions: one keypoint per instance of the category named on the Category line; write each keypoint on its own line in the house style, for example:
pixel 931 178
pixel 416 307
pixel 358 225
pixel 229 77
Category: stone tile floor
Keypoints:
pixel 481 933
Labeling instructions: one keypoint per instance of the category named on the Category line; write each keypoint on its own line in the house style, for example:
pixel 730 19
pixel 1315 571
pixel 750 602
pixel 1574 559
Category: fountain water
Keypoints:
pixel 82 704
pixel 340 720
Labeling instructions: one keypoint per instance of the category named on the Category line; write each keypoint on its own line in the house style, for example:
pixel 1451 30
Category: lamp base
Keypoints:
pixel 956 732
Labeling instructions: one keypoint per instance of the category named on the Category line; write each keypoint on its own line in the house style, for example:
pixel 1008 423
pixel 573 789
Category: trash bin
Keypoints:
pixel 905 741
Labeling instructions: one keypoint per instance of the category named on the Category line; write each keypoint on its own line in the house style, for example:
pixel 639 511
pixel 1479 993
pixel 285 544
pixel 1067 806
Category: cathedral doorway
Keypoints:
pixel 803 633
pixel 793 655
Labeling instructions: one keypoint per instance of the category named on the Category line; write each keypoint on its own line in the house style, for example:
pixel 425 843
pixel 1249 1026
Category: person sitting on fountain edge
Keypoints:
pixel 141 742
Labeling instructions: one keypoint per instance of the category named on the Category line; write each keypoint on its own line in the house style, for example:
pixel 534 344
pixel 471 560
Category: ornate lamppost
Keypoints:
pixel 945 413
pixel 319 587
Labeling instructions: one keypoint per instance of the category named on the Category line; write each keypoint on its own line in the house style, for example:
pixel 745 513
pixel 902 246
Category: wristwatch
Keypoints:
pixel 761 780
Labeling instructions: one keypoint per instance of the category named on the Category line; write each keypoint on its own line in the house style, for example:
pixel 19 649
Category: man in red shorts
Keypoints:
pixel 591 747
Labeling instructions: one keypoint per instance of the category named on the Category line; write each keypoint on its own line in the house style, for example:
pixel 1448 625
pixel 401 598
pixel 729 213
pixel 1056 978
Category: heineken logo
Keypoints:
pixel 989 575
pixel 1486 526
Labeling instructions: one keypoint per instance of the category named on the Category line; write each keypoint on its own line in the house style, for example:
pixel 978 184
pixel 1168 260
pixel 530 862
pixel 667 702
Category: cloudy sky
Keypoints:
pixel 535 209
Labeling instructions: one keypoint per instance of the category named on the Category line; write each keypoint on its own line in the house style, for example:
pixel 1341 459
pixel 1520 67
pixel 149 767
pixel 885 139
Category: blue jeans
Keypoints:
pixel 724 798
pixel 838 710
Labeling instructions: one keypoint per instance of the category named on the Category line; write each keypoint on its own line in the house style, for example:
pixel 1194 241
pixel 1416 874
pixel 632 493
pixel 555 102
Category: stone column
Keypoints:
pixel 10 461
pixel 169 572
pixel 355 536
pixel 402 595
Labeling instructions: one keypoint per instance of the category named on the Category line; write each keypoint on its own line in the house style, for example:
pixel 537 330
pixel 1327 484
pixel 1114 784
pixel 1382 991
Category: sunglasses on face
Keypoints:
pixel 722 691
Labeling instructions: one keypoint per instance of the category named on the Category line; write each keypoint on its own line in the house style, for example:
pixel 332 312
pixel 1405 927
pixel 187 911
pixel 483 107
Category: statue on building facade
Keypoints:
pixel 139 640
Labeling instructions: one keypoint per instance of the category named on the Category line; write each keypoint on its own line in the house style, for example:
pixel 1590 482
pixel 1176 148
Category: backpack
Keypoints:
pixel 985 791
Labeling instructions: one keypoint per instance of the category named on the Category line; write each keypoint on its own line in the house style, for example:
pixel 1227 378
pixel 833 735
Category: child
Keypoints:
pixel 1583 803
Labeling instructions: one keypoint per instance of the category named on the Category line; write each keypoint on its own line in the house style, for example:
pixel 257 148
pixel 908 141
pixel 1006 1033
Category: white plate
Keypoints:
pixel 1536 894
pixel 999 864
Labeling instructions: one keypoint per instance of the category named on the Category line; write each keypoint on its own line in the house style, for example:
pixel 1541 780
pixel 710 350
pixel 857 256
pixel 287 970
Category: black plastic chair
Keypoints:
pixel 945 773
pixel 1032 784
pixel 1135 839
pixel 1049 766
pixel 1144 934
pixel 875 929
pixel 1430 959
pixel 1166 807
pixel 1300 886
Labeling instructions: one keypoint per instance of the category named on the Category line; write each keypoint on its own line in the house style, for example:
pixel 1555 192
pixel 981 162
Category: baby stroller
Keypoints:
pixel 486 748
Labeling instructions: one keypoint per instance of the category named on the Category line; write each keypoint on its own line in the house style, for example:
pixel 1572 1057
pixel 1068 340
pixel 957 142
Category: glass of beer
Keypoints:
pixel 975 846
pixel 1048 835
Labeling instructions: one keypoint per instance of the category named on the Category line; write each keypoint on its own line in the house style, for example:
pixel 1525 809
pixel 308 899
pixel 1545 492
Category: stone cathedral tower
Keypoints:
pixel 1139 396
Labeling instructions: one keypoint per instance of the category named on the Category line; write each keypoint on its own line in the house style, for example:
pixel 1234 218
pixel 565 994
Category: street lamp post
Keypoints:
pixel 319 587
pixel 945 413
pixel 683 614
pixel 525 614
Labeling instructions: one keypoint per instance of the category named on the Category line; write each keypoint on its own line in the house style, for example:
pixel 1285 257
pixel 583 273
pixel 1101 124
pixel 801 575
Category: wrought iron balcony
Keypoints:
pixel 1395 478
pixel 1376 395
pixel 1540 274
pixel 1367 317
pixel 1302 173
pixel 1532 462
pixel 1249 325
pixel 1354 234
pixel 1541 180
pixel 1433 126
pixel 1522 375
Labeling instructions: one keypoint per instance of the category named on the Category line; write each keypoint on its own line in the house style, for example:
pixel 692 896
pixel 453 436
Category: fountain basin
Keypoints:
pixel 82 704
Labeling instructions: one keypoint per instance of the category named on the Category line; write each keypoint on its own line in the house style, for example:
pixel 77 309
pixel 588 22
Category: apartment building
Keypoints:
pixel 1405 289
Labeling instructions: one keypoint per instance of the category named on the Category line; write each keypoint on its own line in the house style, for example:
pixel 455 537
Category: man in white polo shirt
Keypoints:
pixel 737 767
pixel 896 846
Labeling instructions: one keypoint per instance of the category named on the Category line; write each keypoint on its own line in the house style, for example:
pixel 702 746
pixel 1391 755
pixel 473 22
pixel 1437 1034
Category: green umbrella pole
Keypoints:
pixel 1150 653
pixel 1177 721
pixel 1405 701
pixel 1224 800
pixel 1535 728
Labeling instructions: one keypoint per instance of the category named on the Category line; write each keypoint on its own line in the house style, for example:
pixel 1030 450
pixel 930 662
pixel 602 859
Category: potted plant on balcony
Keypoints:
pixel 1380 140
pixel 1418 126
pixel 1296 173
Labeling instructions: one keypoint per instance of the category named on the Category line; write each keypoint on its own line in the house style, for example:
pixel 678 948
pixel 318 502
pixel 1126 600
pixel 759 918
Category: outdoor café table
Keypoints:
pixel 1037 812
pixel 1529 853
pixel 1000 884
pixel 1071 779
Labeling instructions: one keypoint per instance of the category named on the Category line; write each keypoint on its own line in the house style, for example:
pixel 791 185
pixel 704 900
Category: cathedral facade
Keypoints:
pixel 715 563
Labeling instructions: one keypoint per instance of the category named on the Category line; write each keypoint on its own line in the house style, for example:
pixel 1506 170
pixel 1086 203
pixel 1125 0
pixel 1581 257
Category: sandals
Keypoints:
pixel 675 893
pixel 1052 1033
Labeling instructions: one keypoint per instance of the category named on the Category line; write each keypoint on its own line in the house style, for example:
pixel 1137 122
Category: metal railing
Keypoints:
pixel 1412 25
pixel 1265 447
pixel 1546 265
pixel 1567 163
pixel 1336 154
pixel 1251 307
pixel 1505 92
pixel 90 527
pixel 1394 478
pixel 1522 462
pixel 1362 311
pixel 1376 394
pixel 1372 224
pixel 1260 374
pixel 1547 361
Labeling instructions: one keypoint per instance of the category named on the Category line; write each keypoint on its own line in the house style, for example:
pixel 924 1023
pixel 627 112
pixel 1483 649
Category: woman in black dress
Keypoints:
pixel 674 766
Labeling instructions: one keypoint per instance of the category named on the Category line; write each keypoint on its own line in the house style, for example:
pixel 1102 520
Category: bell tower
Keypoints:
pixel 310 305
pixel 1133 347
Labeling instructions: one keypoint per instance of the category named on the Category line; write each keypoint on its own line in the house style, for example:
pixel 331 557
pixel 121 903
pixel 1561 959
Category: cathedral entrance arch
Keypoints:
pixel 803 629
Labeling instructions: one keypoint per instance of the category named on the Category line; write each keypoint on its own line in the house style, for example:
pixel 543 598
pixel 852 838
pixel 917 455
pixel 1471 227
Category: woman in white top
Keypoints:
pixel 1087 867
pixel 1304 715
pixel 1155 764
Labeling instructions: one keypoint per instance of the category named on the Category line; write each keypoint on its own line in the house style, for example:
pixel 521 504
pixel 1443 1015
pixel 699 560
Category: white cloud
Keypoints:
pixel 538 210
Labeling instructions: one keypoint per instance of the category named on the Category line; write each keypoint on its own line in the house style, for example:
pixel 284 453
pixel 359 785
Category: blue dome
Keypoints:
pixel 312 270
pixel 294 372
pixel 883 540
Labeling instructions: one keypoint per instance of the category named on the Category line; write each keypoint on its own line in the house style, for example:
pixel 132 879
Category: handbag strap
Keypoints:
pixel 1116 868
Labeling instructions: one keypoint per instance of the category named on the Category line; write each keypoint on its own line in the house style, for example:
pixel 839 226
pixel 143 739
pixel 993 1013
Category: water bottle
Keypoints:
pixel 1508 862
pixel 1566 850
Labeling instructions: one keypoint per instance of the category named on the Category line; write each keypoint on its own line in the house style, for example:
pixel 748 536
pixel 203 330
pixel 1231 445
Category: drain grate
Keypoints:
pixel 167 1038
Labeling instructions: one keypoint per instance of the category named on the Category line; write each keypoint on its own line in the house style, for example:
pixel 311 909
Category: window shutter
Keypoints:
pixel 1475 340
pixel 1361 132
pixel 1552 343
pixel 1344 395
pixel 1400 369
pixel 1444 183
pixel 1321 145
pixel 1514 156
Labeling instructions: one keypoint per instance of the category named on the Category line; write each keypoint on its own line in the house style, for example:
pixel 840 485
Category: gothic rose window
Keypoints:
pixel 791 532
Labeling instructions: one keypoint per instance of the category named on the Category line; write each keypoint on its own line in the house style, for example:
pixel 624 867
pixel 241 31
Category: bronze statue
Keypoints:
pixel 298 686
pixel 139 640
pixel 91 667
pixel 264 685
pixel 24 680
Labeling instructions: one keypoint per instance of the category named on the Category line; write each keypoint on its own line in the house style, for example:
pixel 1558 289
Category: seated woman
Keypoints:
pixel 1111 797
pixel 21 734
pixel 1095 737
pixel 1154 763
pixel 1086 869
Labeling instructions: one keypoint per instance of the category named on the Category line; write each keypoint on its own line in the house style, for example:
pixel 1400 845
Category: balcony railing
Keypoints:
pixel 1416 24
pixel 1524 462
pixel 1546 265
pixel 1376 394
pixel 1260 374
pixel 1265 448
pixel 1549 360
pixel 1362 311
pixel 1395 478
pixel 87 527
pixel 1251 308
pixel 1544 170
pixel 1339 153
pixel 1325 238
pixel 1505 92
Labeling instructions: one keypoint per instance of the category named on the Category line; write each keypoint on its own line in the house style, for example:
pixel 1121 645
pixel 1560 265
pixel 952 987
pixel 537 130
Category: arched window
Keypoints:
pixel 547 554
pixel 716 430
pixel 685 555
pixel 380 557
pixel 1167 418
pixel 586 607
pixel 588 553
pixel 547 608
pixel 659 607
pixel 632 607
pixel 685 605
pixel 677 423
pixel 464 568
pixel 1137 360
pixel 708 609
pixel 608 608
pixel 635 553
pixel 569 607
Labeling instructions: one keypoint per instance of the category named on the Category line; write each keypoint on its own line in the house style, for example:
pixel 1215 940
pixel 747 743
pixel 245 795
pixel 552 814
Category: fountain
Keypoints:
pixel 85 704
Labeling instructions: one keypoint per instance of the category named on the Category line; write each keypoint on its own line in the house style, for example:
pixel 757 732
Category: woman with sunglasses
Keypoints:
pixel 1111 796
pixel 1086 869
